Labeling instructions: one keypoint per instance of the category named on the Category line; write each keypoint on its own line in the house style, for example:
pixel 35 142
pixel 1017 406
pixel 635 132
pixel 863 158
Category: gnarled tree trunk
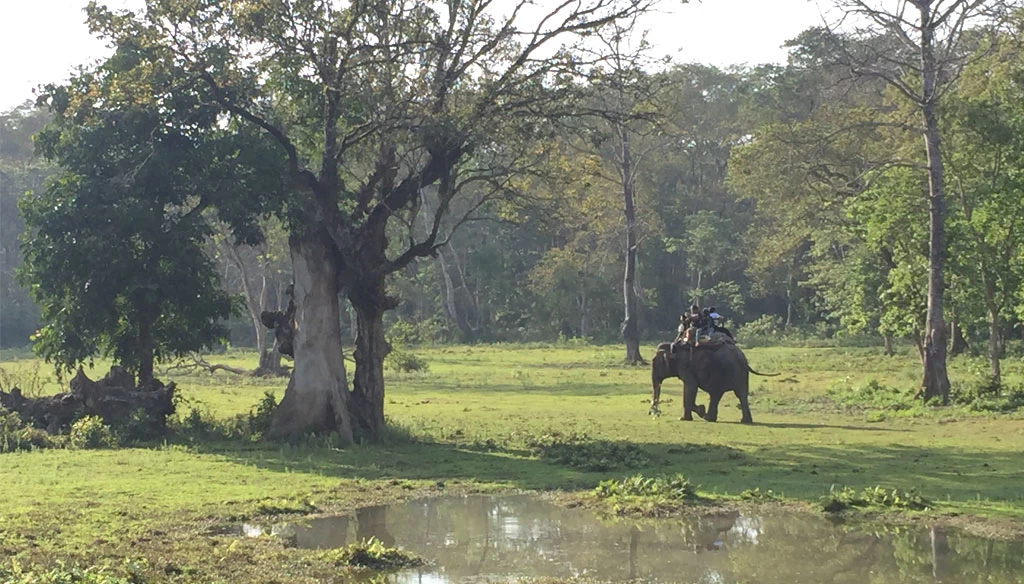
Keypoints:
pixel 317 397
pixel 367 405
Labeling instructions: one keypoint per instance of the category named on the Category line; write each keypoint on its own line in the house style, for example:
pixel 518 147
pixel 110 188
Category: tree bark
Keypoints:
pixel 630 322
pixel 371 348
pixel 935 383
pixel 317 397
pixel 887 340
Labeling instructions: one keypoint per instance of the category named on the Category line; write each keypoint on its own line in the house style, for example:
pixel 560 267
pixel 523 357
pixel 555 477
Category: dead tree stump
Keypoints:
pixel 115 399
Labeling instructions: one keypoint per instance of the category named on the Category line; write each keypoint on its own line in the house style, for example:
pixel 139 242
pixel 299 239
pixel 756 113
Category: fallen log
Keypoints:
pixel 115 399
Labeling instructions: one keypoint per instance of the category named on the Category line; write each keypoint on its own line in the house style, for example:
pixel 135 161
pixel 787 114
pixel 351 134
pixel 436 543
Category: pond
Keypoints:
pixel 506 538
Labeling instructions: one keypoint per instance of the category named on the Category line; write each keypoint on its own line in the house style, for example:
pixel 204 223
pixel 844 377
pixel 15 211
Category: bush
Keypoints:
pixel 372 554
pixel 766 325
pixel 673 488
pixel 16 435
pixel 845 498
pixel 261 417
pixel 138 427
pixel 90 432
pixel 988 395
pixel 402 361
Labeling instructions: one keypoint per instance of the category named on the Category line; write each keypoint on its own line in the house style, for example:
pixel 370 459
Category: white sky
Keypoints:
pixel 41 41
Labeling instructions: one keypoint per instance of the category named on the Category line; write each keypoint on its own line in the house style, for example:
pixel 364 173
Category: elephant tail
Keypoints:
pixel 751 369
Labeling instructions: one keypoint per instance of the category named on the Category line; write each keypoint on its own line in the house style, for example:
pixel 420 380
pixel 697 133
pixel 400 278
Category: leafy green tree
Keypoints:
pixel 986 120
pixel 113 247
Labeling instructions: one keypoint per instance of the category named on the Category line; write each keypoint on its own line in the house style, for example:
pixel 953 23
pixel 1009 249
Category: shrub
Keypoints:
pixel 261 417
pixel 402 361
pixel 16 435
pixel 847 498
pixel 988 395
pixel 674 488
pixel 769 326
pixel 138 427
pixel 91 432
pixel 372 554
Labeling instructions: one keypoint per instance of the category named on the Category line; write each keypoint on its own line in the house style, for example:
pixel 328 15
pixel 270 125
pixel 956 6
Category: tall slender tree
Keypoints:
pixel 918 48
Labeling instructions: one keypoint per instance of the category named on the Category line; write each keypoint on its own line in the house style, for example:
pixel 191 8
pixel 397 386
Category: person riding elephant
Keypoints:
pixel 715 368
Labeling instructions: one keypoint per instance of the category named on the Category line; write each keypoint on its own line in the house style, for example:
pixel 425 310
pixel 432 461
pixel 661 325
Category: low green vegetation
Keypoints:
pixel 846 498
pixel 372 554
pixel 567 417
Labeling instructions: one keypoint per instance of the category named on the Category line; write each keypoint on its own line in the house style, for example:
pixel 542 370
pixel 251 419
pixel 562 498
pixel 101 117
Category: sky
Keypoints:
pixel 42 41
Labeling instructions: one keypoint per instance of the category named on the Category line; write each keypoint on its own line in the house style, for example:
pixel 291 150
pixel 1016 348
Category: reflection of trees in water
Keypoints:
pixel 520 536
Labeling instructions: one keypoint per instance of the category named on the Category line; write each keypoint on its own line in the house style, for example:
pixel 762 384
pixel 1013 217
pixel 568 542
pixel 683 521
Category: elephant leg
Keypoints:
pixel 690 402
pixel 743 394
pixel 655 399
pixel 712 415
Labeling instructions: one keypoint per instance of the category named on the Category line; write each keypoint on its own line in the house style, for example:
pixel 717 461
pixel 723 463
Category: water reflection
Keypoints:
pixel 500 539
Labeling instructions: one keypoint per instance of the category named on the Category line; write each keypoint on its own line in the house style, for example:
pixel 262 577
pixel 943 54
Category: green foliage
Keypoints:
pixel 581 451
pixel 401 360
pixel 16 435
pixel 130 573
pixel 766 325
pixel 988 395
pixel 873 394
pixel 137 428
pixel 262 415
pixel 90 432
pixel 845 498
pixel 672 488
pixel 372 554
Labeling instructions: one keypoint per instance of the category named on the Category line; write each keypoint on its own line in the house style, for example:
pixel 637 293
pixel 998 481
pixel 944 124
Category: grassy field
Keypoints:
pixel 507 417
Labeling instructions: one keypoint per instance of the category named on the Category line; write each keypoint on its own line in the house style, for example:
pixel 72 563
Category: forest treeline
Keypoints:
pixel 789 197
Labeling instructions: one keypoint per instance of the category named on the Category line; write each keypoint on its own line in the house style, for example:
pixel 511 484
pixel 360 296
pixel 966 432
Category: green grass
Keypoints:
pixel 493 417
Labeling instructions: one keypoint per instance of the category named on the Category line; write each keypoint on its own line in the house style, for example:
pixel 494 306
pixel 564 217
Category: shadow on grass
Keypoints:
pixel 831 426
pixel 800 471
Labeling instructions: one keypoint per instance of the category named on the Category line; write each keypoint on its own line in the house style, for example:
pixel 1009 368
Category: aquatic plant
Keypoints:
pixel 372 554
pixel 675 487
pixel 844 498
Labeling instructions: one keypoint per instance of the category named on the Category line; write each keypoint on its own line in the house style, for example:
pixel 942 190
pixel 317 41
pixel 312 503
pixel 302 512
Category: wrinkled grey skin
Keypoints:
pixel 715 369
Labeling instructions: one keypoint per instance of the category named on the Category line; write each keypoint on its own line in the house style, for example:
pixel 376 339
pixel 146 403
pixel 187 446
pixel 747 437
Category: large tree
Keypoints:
pixel 378 106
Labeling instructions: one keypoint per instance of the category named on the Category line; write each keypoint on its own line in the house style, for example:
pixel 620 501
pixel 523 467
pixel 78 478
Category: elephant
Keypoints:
pixel 716 368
